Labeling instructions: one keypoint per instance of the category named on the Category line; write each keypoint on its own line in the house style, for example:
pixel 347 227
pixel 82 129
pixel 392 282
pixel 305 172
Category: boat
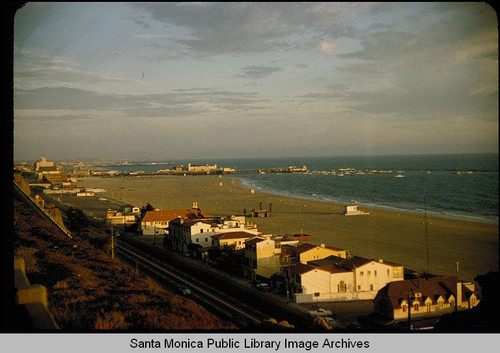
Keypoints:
pixel 399 176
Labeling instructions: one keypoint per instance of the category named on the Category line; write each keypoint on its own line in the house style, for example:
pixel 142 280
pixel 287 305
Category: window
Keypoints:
pixel 404 307
pixel 316 294
pixel 371 286
pixel 359 287
pixel 369 273
pixel 397 272
pixel 341 287
pixel 415 306
pixel 361 273
pixel 428 307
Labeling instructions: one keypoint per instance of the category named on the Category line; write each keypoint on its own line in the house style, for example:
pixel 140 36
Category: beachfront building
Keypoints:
pixel 306 252
pixel 424 297
pixel 186 233
pixel 232 240
pixel 352 210
pixel 341 279
pixel 44 165
pixel 121 217
pixel 157 222
pixel 262 258
pixel 201 168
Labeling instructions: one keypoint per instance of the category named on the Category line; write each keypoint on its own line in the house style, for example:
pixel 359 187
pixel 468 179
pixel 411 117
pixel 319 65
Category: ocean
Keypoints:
pixel 463 186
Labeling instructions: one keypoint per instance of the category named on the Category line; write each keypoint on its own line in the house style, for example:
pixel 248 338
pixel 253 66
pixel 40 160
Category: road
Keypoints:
pixel 214 288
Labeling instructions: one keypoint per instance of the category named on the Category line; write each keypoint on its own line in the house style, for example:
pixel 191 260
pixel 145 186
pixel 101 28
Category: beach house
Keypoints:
pixel 341 279
pixel 157 222
pixel 262 258
pixel 234 240
pixel 424 297
pixel 186 233
pixel 306 252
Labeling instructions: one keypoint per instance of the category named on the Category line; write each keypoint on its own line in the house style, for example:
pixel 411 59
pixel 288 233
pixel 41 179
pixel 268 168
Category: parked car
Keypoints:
pixel 264 287
pixel 331 321
pixel 320 312
pixel 184 290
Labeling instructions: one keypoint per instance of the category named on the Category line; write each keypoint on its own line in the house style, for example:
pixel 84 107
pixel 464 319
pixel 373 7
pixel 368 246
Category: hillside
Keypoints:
pixel 87 291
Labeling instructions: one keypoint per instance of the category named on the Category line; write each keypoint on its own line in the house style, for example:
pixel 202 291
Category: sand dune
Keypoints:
pixel 383 234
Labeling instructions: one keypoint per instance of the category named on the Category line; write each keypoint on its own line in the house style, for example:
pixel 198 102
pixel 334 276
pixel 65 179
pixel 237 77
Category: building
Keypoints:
pixel 353 211
pixel 233 240
pixel 424 297
pixel 125 218
pixel 306 252
pixel 341 279
pixel 201 168
pixel 157 222
pixel 183 233
pixel 261 258
pixel 44 165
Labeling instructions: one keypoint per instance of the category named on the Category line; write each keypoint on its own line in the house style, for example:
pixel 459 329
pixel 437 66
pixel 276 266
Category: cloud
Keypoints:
pixel 236 28
pixel 327 47
pixel 179 103
pixel 36 68
pixel 257 72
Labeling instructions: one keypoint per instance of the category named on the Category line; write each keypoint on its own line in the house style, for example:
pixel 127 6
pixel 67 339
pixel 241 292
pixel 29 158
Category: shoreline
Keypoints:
pixel 395 236
pixel 441 214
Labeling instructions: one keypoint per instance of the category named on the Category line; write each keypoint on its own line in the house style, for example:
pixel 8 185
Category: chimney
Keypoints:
pixel 459 294
pixel 195 205
pixel 381 261
pixel 322 245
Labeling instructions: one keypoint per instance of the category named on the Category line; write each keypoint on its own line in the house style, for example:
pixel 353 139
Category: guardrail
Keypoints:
pixel 33 297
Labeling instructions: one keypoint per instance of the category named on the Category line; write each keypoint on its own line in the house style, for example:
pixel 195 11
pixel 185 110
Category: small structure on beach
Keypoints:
pixel 352 210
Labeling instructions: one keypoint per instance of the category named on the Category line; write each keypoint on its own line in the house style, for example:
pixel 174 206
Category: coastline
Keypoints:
pixel 392 235
pixel 247 184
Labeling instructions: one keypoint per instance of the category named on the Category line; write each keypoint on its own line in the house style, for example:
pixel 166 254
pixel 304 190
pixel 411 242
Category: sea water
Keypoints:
pixel 461 186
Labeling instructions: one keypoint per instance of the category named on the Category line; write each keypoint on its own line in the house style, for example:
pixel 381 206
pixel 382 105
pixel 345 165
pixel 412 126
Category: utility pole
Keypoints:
pixel 426 231
pixel 112 244
pixel 409 313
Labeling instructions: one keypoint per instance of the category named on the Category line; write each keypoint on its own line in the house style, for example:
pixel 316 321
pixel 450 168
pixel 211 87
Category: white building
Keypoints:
pixel 184 232
pixel 261 258
pixel 43 163
pixel 157 222
pixel 201 168
pixel 339 279
pixel 353 211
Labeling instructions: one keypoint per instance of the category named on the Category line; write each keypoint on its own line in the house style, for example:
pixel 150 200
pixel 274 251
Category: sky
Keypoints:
pixel 160 81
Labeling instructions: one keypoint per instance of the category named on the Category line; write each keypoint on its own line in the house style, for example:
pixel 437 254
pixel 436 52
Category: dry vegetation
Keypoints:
pixel 87 291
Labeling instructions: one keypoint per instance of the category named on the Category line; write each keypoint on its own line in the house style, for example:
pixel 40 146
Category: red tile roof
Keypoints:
pixel 169 215
pixel 233 235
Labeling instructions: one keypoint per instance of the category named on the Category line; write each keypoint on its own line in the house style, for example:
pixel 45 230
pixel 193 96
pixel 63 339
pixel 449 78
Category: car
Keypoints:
pixel 184 290
pixel 320 312
pixel 264 287
pixel 331 321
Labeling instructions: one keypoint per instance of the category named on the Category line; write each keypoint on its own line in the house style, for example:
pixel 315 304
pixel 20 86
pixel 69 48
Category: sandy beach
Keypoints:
pixel 393 236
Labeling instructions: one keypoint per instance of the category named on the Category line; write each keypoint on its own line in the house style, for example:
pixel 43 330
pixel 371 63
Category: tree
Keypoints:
pixel 77 221
pixel 145 209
